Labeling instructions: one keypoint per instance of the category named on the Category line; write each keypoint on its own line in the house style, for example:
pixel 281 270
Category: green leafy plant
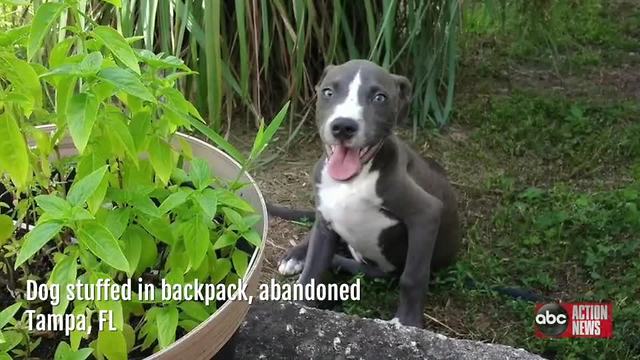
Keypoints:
pixel 8 339
pixel 132 203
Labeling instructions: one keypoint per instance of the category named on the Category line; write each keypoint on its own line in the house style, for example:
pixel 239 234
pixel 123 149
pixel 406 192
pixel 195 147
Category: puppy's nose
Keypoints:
pixel 344 128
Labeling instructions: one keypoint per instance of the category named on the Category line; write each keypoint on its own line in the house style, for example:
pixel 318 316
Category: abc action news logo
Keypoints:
pixel 574 320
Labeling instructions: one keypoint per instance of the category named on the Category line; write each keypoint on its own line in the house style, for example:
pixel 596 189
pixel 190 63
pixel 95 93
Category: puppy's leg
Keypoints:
pixel 421 213
pixel 341 263
pixel 293 261
pixel 423 231
pixel 322 247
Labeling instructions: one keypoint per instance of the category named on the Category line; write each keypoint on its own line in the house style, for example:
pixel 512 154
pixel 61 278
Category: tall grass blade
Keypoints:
pixel 212 49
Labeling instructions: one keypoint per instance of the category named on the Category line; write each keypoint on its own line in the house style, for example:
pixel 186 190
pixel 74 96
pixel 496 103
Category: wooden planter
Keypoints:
pixel 210 336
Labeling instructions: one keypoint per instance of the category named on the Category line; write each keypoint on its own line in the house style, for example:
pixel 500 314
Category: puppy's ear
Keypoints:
pixel 324 73
pixel 404 96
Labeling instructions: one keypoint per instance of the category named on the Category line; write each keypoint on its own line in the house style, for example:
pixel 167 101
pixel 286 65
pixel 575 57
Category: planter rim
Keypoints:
pixel 254 262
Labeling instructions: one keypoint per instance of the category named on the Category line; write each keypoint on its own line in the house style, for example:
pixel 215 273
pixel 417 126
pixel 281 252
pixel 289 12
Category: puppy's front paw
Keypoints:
pixel 289 267
pixel 293 261
pixel 405 319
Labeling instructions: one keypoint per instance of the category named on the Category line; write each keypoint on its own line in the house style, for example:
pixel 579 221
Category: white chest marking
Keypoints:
pixel 353 210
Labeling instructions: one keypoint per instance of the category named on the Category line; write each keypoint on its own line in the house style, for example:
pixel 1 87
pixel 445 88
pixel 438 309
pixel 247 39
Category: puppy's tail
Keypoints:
pixel 290 214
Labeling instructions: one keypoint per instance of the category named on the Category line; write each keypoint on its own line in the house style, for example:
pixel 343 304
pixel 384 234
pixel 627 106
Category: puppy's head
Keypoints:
pixel 358 105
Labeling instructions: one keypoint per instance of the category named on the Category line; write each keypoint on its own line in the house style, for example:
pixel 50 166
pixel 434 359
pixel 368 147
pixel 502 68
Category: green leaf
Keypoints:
pixel 175 276
pixel 102 244
pixel 149 256
pixel 260 144
pixel 159 61
pixel 226 239
pixel 251 220
pixel 7 314
pixel 150 333
pixel 14 156
pixel 221 269
pixel 200 173
pixel 91 63
pixel 177 103
pixel 64 352
pixel 162 159
pixel 112 345
pixel 16 35
pixel 54 206
pixel 123 136
pixel 116 43
pixel 186 324
pixel 6 228
pixel 133 240
pixel 139 128
pixel 78 213
pixel 159 228
pixel 44 18
pixel 24 81
pixel 12 339
pixel 63 96
pixel 116 3
pixel 173 201
pixel 167 323
pixel 81 115
pixel 36 239
pixel 196 240
pixel 253 237
pixel 64 69
pixel 233 217
pixel 195 310
pixel 130 336
pixel 127 81
pixel 117 220
pixel 217 139
pixel 63 273
pixel 79 308
pixel 59 52
pixel 229 198
pixel 240 261
pixel 94 202
pixel 145 205
pixel 208 202
pixel 82 189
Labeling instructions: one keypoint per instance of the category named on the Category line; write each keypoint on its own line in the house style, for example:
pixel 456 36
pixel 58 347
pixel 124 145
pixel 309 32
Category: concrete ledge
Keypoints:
pixel 276 330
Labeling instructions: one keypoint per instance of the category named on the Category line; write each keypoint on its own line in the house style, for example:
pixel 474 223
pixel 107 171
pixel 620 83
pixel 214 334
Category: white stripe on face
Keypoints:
pixel 349 108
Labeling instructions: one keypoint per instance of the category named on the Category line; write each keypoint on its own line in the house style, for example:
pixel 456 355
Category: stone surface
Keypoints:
pixel 276 330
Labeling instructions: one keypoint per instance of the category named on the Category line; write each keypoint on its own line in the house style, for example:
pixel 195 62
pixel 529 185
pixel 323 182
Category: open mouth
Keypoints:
pixel 346 162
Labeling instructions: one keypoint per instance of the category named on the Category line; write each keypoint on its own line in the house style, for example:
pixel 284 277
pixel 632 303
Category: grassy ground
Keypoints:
pixel 544 151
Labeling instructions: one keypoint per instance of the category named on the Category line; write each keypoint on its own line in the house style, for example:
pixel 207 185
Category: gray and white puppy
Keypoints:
pixel 394 209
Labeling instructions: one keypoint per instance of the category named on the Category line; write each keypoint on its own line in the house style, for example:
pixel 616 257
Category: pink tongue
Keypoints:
pixel 344 163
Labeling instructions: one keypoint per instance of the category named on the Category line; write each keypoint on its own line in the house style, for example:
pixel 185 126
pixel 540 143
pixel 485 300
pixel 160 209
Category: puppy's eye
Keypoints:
pixel 379 98
pixel 326 92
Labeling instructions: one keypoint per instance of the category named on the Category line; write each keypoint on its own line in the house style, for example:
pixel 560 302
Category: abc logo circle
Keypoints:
pixel 552 319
